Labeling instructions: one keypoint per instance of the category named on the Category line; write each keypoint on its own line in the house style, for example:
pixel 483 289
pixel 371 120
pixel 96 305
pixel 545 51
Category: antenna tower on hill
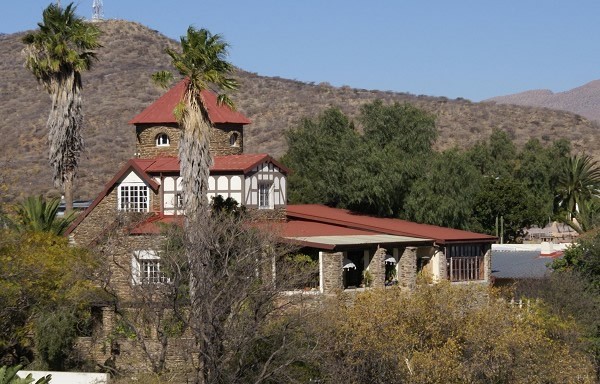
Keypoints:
pixel 98 10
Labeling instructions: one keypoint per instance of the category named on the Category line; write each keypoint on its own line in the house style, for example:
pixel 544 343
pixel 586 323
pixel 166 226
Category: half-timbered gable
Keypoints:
pixel 265 186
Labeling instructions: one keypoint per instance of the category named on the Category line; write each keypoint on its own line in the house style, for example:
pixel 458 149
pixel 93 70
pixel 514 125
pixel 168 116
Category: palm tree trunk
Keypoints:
pixel 64 132
pixel 68 191
pixel 195 163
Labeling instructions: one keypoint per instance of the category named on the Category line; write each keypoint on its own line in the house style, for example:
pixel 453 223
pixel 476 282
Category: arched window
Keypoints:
pixel 233 139
pixel 162 140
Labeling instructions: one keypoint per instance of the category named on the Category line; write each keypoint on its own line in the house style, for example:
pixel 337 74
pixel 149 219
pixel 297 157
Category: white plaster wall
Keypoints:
pixel 132 178
pixel 68 377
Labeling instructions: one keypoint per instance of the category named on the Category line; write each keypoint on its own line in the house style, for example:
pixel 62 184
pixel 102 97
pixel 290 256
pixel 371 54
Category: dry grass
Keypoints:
pixel 119 87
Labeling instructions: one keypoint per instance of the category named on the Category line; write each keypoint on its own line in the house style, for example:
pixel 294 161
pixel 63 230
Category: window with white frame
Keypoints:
pixel 162 140
pixel 265 200
pixel 146 268
pixel 133 197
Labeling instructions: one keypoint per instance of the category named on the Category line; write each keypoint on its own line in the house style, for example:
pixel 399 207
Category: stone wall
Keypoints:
pixel 275 214
pixel 377 268
pixel 102 217
pixel 331 269
pixel 106 215
pixel 407 269
pixel 146 140
pixel 129 356
pixel 220 136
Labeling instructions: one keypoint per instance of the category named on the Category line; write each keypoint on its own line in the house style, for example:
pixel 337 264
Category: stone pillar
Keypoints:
pixel 487 266
pixel 407 274
pixel 439 266
pixel 108 320
pixel 331 271
pixel 377 268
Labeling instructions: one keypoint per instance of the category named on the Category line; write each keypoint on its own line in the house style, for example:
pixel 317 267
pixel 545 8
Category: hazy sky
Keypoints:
pixel 472 49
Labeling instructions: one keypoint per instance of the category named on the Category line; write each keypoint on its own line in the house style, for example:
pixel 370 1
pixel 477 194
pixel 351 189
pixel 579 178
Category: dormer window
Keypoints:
pixel 162 140
pixel 133 198
pixel 234 139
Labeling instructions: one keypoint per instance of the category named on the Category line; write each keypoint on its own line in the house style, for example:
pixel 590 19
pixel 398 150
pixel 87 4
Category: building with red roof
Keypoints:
pixel 345 244
pixel 350 251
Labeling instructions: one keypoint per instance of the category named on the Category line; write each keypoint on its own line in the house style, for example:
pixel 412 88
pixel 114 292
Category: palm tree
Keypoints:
pixel 588 216
pixel 35 214
pixel 56 54
pixel 578 182
pixel 202 62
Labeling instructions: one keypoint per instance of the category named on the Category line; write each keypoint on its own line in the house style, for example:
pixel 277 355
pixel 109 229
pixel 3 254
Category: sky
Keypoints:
pixel 472 49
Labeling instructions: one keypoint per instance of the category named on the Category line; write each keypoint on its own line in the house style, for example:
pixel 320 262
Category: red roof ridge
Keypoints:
pixel 396 226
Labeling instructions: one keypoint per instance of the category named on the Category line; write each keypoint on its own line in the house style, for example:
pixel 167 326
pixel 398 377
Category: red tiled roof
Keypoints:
pixel 303 228
pixel 230 163
pixel 324 214
pixel 161 111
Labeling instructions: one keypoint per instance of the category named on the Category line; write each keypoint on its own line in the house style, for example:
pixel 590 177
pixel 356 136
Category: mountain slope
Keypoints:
pixel 119 87
pixel 584 100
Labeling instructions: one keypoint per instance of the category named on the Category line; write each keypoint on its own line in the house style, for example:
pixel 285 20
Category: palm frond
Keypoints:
pixel 163 79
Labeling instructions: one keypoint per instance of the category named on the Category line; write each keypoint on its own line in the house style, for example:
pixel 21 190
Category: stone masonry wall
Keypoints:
pixel 219 140
pixel 118 253
pixel 377 268
pixel 407 271
pixel 97 221
pixel 146 140
pixel 103 217
pixel 332 271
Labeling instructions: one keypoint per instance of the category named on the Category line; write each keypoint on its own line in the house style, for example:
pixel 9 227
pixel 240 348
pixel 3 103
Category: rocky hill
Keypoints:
pixel 584 100
pixel 119 87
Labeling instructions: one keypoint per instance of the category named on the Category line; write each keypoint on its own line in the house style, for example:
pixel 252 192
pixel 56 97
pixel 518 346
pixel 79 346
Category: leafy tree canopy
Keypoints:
pixel 444 194
pixel 40 273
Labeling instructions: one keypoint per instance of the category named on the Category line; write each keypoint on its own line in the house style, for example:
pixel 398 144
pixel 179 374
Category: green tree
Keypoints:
pixel 333 165
pixel 536 168
pixel 507 201
pixel 496 156
pixel 40 274
pixel 36 214
pixel 323 153
pixel 578 181
pixel 57 53
pixel 444 195
pixel 403 127
pixel 398 138
pixel 583 258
